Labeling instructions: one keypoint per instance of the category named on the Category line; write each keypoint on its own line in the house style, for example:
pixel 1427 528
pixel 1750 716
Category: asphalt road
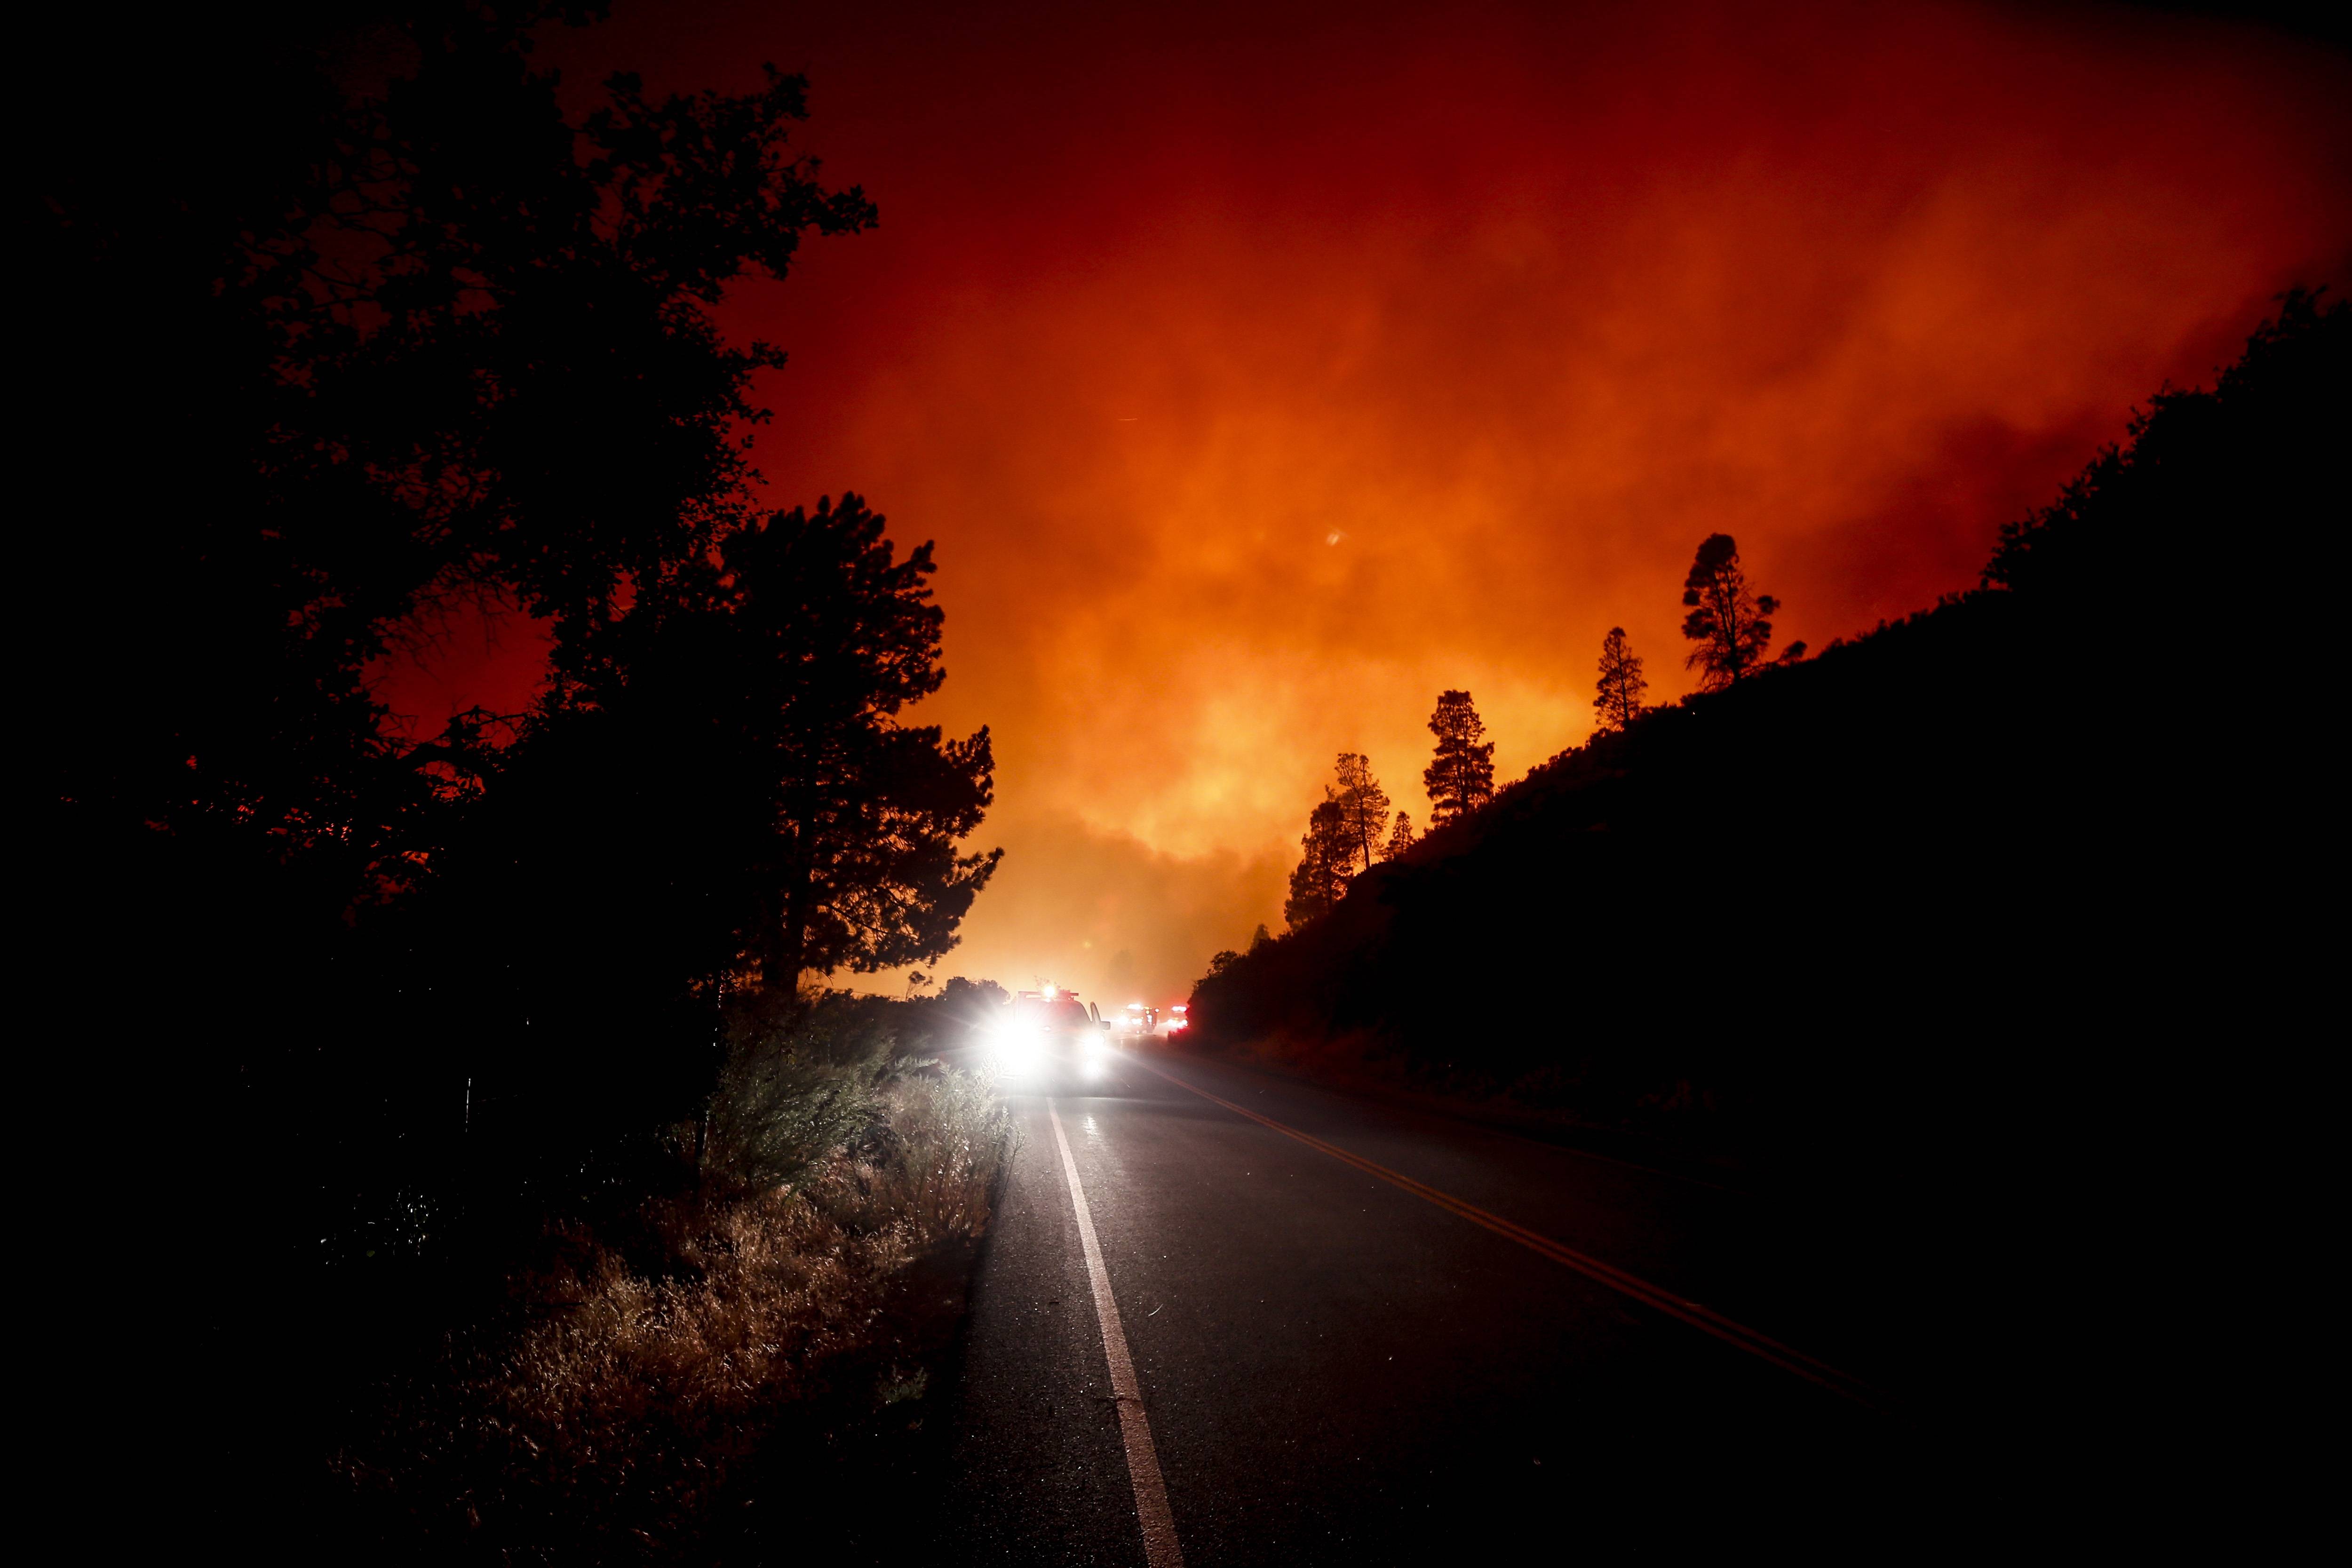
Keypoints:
pixel 1334 1367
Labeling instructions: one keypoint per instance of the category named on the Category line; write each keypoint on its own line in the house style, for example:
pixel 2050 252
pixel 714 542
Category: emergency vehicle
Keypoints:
pixel 1041 1038
pixel 1141 1018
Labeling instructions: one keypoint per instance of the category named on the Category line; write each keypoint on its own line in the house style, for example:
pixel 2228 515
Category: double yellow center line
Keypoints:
pixel 1699 1316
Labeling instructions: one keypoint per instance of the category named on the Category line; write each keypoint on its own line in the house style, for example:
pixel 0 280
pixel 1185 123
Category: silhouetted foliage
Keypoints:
pixel 1617 698
pixel 1327 851
pixel 1731 627
pixel 420 342
pixel 2194 458
pixel 1401 838
pixel 754 810
pixel 1342 839
pixel 1847 914
pixel 1260 937
pixel 1461 778
pixel 418 339
pixel 1363 810
pixel 344 323
pixel 961 1006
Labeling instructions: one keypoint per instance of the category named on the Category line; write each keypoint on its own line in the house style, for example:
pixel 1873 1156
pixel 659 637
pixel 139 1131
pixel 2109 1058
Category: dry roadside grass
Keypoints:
pixel 604 1420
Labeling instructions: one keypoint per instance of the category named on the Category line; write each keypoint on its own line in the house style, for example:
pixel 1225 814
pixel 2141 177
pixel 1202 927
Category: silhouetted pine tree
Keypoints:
pixel 1461 778
pixel 1321 879
pixel 1618 698
pixel 1401 838
pixel 1731 627
pixel 1363 810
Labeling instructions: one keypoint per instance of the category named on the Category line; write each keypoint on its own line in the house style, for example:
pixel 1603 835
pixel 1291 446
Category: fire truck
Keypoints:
pixel 1042 1038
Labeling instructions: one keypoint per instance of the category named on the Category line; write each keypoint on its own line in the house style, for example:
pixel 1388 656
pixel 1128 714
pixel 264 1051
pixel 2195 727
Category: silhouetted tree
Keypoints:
pixel 1260 937
pixel 422 340
pixel 973 1001
pixel 724 793
pixel 1363 810
pixel 1731 627
pixel 2284 398
pixel 1401 838
pixel 812 638
pixel 1618 700
pixel 425 337
pixel 1223 959
pixel 1948 821
pixel 1461 778
pixel 1320 880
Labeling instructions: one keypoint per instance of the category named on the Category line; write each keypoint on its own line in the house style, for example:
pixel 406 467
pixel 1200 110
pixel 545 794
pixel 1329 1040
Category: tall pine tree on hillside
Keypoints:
pixel 1363 810
pixel 1618 698
pixel 1461 778
pixel 1401 838
pixel 1320 880
pixel 1731 627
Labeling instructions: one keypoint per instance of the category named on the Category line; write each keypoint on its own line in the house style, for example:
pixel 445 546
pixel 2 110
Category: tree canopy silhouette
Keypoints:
pixel 348 319
pixel 1460 778
pixel 1617 698
pixel 1966 881
pixel 733 751
pixel 1401 838
pixel 1363 810
pixel 1731 627
pixel 419 340
pixel 2183 463
pixel 408 333
pixel 1944 821
pixel 1320 878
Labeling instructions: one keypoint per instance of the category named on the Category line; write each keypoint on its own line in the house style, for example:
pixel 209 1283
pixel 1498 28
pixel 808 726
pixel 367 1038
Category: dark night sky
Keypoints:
pixel 1263 369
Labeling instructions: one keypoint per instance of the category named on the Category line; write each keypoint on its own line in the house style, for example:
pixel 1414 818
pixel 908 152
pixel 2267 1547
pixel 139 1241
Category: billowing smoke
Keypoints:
pixel 1261 373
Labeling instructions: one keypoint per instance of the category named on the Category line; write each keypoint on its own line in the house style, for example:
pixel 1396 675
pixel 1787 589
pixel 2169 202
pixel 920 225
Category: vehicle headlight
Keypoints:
pixel 1015 1051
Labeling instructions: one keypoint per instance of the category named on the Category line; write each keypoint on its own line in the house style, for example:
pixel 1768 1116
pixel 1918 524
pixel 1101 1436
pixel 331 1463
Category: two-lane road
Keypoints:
pixel 1360 1333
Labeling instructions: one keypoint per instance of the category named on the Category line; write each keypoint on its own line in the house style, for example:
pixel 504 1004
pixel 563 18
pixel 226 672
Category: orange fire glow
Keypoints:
pixel 1262 371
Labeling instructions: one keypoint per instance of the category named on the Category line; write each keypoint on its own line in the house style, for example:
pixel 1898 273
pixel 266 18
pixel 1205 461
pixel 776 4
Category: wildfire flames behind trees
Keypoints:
pixel 1803 781
pixel 348 317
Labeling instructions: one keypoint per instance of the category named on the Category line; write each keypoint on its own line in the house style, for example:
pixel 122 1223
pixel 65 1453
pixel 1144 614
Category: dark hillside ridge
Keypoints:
pixel 1947 870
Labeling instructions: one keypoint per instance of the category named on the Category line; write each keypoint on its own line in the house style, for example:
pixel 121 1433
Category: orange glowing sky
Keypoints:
pixel 1262 370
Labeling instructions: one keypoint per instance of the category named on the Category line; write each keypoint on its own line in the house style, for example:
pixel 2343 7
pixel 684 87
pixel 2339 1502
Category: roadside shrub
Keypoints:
pixel 602 1419
pixel 800 1081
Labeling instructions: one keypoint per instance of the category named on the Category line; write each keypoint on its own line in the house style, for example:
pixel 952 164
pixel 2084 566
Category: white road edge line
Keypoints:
pixel 1159 1548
